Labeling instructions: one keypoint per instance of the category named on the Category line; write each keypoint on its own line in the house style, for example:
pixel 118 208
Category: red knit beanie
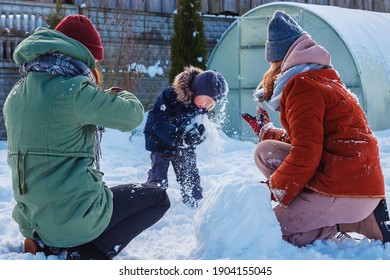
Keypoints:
pixel 80 28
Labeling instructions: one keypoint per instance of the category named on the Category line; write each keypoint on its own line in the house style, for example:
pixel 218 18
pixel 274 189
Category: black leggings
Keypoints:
pixel 135 209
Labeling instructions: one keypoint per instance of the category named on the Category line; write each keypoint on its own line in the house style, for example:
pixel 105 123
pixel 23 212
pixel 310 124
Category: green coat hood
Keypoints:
pixel 45 40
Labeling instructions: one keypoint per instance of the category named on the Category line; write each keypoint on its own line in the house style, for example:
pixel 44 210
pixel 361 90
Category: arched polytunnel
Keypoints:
pixel 357 40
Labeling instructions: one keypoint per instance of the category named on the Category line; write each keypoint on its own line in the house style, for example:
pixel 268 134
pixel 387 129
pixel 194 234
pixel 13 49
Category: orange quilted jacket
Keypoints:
pixel 333 150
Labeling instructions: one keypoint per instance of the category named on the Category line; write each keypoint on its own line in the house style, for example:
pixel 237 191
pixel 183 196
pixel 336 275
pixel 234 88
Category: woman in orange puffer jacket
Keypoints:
pixel 323 168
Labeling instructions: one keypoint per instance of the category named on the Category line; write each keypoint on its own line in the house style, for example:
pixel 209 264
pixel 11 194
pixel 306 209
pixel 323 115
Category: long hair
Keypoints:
pixel 98 76
pixel 269 79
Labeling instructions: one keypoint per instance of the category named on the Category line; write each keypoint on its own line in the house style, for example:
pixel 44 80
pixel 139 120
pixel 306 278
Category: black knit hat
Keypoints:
pixel 210 83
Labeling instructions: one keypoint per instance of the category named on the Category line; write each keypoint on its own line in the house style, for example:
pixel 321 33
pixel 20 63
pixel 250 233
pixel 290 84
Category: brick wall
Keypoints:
pixel 146 48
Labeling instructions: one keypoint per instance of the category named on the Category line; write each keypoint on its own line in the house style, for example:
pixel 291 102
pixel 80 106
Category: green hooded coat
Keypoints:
pixel 51 124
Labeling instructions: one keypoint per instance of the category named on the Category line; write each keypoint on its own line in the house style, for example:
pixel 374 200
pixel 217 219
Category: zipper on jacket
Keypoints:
pixel 22 187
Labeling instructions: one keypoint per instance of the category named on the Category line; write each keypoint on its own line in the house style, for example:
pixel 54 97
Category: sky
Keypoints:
pixel 234 221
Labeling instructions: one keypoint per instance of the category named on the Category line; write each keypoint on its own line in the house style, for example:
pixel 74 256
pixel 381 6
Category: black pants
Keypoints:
pixel 186 171
pixel 135 209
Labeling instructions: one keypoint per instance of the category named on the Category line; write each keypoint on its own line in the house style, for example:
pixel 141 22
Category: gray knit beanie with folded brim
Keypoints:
pixel 210 83
pixel 283 31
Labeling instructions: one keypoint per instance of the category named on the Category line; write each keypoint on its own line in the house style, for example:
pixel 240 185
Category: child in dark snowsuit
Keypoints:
pixel 172 134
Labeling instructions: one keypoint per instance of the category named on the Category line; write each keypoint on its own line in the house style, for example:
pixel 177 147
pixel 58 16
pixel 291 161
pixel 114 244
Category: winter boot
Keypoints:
pixel 86 252
pixel 382 218
pixel 34 246
pixel 375 226
pixel 31 246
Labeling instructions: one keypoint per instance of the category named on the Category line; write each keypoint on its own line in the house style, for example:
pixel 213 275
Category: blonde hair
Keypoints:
pixel 269 79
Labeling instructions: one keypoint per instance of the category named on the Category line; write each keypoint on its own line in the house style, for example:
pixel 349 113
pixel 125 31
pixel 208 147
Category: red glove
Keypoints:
pixel 115 90
pixel 252 122
pixel 262 118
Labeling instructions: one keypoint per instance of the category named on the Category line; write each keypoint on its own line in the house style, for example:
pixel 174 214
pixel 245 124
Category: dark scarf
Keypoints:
pixel 57 64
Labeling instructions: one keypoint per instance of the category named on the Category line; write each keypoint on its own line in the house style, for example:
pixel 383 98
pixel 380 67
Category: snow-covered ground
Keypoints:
pixel 234 221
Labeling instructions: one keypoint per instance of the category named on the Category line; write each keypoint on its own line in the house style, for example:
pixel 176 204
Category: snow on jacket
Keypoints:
pixel 51 122
pixel 173 112
pixel 333 150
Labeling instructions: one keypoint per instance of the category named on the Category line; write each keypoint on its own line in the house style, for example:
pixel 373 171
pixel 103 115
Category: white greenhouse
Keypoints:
pixel 358 41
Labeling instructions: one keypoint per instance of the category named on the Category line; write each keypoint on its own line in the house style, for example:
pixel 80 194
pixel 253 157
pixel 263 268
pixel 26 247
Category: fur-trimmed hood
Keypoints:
pixel 182 84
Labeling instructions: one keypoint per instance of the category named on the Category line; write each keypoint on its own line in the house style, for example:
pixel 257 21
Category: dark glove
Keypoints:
pixel 195 135
pixel 262 118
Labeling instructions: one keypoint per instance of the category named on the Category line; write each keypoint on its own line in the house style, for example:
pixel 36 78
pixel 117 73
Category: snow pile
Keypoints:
pixel 234 221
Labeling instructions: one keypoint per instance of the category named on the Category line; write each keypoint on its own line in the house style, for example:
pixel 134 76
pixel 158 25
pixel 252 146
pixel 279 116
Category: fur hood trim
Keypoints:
pixel 182 83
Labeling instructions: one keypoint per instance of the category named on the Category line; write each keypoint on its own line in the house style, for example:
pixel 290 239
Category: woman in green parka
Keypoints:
pixel 54 116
